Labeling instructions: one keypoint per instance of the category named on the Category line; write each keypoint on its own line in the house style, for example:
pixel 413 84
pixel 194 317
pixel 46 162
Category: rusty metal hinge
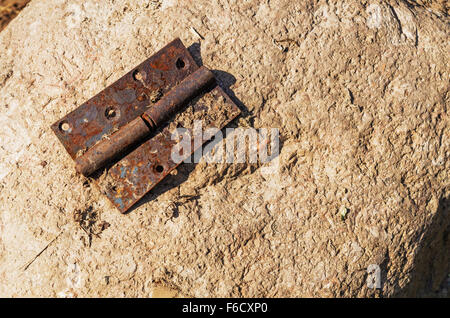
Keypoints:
pixel 122 137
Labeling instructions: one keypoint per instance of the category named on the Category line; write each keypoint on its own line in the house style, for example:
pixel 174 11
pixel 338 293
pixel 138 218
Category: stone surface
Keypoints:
pixel 359 90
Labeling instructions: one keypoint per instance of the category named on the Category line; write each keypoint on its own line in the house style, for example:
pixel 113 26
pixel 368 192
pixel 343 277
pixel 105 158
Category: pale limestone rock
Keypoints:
pixel 359 91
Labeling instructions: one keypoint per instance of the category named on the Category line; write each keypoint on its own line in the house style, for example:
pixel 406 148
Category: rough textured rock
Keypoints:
pixel 9 10
pixel 359 90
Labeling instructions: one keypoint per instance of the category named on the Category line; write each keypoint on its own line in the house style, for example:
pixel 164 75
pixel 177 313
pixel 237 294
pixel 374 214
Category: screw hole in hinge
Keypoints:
pixel 64 126
pixel 138 76
pixel 180 64
pixel 110 112
pixel 159 168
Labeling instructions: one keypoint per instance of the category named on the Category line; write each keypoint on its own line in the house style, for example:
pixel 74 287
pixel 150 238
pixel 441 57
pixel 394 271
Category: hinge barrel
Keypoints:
pixel 108 149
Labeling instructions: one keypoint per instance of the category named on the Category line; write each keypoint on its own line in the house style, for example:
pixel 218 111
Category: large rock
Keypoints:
pixel 359 90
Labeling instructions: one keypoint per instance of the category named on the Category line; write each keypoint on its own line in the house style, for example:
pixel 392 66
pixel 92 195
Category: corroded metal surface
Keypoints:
pixel 99 155
pixel 124 100
pixel 144 99
pixel 108 149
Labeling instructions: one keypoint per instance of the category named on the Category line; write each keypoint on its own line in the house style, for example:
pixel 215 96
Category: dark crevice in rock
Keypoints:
pixel 432 262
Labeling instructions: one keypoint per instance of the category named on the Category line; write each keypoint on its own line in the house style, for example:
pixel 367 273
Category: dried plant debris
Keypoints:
pixel 89 221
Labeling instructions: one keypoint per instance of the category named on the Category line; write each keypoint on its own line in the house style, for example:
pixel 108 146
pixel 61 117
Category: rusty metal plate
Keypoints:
pixel 125 99
pixel 127 180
